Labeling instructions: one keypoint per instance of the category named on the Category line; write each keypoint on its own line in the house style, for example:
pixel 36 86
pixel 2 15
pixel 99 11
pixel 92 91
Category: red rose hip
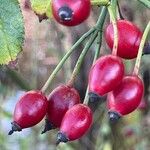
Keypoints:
pixel 60 100
pixel 29 110
pixel 71 12
pixel 105 75
pixel 129 38
pixel 75 123
pixel 125 98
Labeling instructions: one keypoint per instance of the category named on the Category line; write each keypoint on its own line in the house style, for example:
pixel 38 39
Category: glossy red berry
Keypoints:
pixel 71 12
pixel 75 123
pixel 105 75
pixel 29 110
pixel 129 37
pixel 60 100
pixel 125 98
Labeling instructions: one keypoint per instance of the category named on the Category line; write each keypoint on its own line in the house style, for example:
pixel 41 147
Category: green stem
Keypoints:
pixel 100 2
pixel 114 7
pixel 140 51
pixel 59 66
pixel 101 19
pixel 113 20
pixel 145 3
pixel 81 58
pixel 99 42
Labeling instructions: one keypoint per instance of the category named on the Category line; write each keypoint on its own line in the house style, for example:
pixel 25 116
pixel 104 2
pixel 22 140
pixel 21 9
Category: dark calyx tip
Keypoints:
pixel 48 126
pixel 15 127
pixel 61 138
pixel 94 97
pixel 113 116
pixel 65 13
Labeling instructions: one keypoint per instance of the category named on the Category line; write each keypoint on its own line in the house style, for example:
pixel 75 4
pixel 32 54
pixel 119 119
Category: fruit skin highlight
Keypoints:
pixel 29 110
pixel 71 12
pixel 125 98
pixel 105 75
pixel 129 38
pixel 75 123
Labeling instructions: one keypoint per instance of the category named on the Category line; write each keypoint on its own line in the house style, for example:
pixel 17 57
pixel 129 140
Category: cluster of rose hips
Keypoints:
pixel 108 76
pixel 63 109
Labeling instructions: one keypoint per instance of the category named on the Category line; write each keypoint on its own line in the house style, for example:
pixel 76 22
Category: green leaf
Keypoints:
pixel 42 7
pixel 11 30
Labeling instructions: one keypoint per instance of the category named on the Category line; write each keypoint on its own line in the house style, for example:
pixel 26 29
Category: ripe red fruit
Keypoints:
pixel 71 12
pixel 105 75
pixel 129 38
pixel 60 100
pixel 29 110
pixel 125 98
pixel 75 123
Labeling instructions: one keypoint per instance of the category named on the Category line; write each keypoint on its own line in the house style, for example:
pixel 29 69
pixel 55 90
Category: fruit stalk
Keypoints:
pixel 88 45
pixel 59 66
pixel 113 20
pixel 99 43
pixel 81 58
pixel 140 51
pixel 100 2
pixel 114 6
